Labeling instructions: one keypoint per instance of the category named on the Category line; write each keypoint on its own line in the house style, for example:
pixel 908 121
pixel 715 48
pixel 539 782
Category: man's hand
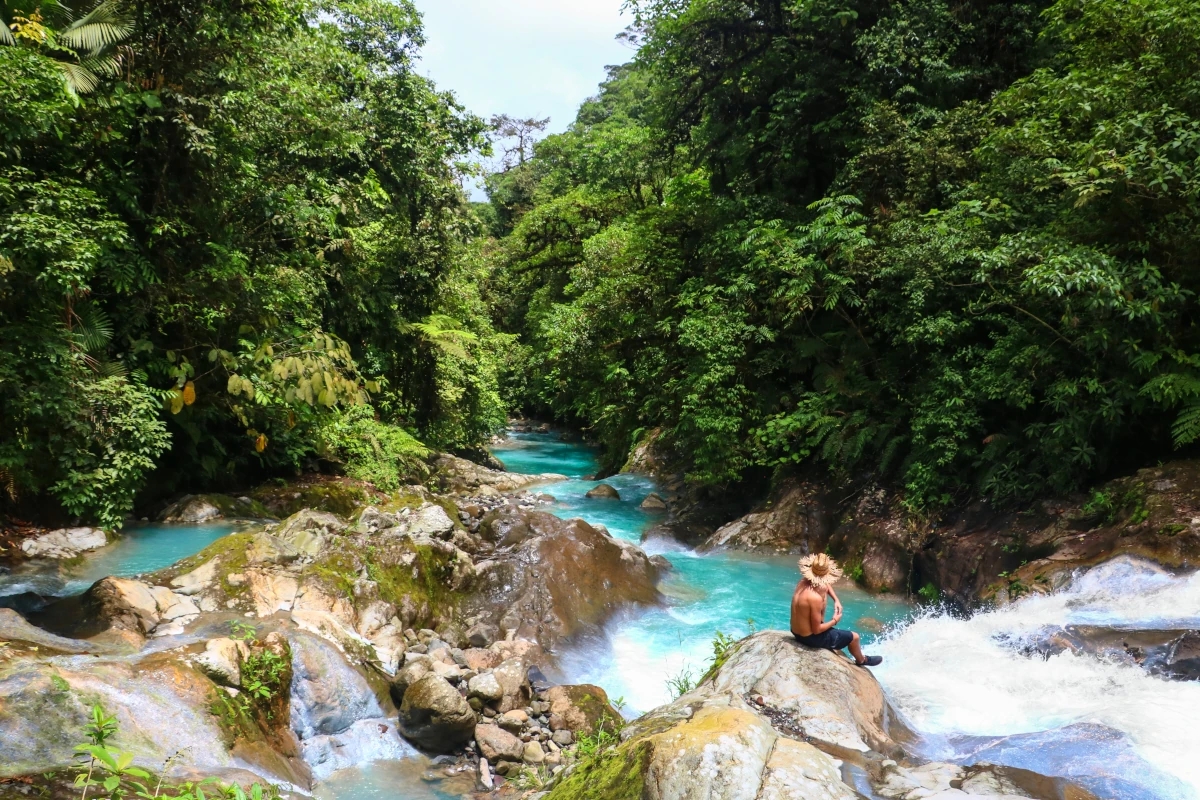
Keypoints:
pixel 837 615
pixel 837 608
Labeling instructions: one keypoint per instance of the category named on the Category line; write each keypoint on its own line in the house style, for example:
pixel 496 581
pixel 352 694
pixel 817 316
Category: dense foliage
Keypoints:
pixel 948 245
pixel 223 227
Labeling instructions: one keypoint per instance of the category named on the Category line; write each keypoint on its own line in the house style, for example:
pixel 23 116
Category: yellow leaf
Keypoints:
pixel 260 443
pixel 234 385
pixel 176 401
pixel 189 393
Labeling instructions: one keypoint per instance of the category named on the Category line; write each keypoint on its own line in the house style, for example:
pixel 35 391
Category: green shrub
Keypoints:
pixel 370 450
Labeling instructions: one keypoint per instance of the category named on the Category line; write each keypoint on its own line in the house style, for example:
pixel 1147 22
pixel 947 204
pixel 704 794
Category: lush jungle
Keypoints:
pixel 948 245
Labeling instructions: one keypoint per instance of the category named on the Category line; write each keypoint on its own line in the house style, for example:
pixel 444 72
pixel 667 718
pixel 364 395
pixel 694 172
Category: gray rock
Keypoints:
pixel 653 502
pixel 497 744
pixel 604 491
pixel 222 660
pixel 431 520
pixel 482 634
pixel 435 716
pixel 533 753
pixel 64 543
pixel 191 509
pixel 485 687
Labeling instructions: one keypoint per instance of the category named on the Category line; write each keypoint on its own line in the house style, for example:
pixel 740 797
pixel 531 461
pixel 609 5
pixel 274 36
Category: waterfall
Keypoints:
pixel 978 691
pixel 334 712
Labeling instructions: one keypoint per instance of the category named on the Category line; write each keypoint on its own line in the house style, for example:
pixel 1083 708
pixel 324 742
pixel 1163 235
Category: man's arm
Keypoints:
pixel 837 604
pixel 816 615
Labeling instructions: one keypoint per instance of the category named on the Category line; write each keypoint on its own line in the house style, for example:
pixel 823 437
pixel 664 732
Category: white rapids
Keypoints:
pixel 971 688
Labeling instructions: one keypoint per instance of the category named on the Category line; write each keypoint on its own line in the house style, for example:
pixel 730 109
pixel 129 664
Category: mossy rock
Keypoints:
pixel 341 496
pixel 618 774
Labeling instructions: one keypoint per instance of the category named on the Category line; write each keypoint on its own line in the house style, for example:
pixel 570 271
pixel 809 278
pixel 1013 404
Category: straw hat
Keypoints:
pixel 820 570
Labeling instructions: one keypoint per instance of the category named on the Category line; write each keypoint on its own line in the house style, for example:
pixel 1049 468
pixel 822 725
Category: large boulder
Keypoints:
pixel 435 716
pixel 222 660
pixel 193 509
pixel 797 518
pixel 130 605
pixel 775 721
pixel 460 476
pixel 64 543
pixel 550 578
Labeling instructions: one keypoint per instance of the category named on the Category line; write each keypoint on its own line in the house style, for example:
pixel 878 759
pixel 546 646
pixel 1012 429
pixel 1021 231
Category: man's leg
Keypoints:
pixel 856 649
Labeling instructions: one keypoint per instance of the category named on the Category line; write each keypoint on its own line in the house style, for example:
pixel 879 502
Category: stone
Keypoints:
pixel 64 543
pixel 480 659
pixel 267 549
pixel 1183 662
pixel 799 771
pixel 485 776
pixel 603 491
pixel 796 518
pixel 511 677
pixel 222 660
pixel 197 580
pixel 271 591
pixel 435 716
pixel 513 721
pixel 653 502
pixel 580 708
pixel 485 687
pixel 563 737
pixel 191 509
pixel 431 520
pixel 465 477
pixel 533 753
pixel 415 667
pixel 550 578
pixel 496 744
pixel 121 603
pixel 482 634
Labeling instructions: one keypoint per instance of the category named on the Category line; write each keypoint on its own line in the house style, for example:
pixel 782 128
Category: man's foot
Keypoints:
pixel 872 661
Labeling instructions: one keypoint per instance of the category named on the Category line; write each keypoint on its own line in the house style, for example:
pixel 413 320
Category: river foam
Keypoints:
pixel 968 683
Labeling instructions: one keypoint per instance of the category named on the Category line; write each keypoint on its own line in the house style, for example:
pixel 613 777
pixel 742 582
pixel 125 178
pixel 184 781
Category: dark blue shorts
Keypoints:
pixel 832 639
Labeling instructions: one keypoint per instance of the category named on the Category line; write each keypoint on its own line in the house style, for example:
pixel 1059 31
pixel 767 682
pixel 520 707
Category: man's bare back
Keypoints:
pixel 810 628
pixel 807 605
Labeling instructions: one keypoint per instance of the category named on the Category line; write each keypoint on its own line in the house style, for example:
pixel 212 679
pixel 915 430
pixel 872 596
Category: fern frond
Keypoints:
pixel 93 330
pixel 1187 425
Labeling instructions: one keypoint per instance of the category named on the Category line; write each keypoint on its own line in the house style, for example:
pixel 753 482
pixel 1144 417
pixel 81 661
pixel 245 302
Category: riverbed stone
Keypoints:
pixel 485 687
pixel 497 744
pixel 533 753
pixel 653 502
pixel 604 492
pixel 435 716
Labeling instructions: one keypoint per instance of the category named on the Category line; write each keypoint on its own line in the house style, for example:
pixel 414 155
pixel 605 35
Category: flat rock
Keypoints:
pixel 64 543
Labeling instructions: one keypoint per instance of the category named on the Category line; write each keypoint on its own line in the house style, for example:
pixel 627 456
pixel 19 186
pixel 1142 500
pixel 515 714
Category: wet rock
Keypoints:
pixel 653 502
pixel 222 660
pixel 461 476
pixel 797 518
pixel 190 510
pixel 413 670
pixel 197 580
pixel 604 491
pixel 497 744
pixel 14 628
pixel 435 716
pixel 580 709
pixel 1183 661
pixel 885 567
pixel 551 578
pixel 64 543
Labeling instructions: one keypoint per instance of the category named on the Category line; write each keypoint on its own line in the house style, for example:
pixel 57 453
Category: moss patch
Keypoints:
pixel 618 774
pixel 341 496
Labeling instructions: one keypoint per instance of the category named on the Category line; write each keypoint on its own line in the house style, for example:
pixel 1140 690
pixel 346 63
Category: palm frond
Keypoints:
pixel 104 25
pixel 93 330
pixel 6 36
pixel 102 65
pixel 80 79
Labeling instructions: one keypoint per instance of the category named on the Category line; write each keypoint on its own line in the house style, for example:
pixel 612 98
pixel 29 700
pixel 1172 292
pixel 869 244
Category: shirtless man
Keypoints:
pixel 808 610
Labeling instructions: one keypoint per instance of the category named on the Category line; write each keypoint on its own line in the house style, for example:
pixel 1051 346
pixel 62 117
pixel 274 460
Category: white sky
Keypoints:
pixel 525 58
